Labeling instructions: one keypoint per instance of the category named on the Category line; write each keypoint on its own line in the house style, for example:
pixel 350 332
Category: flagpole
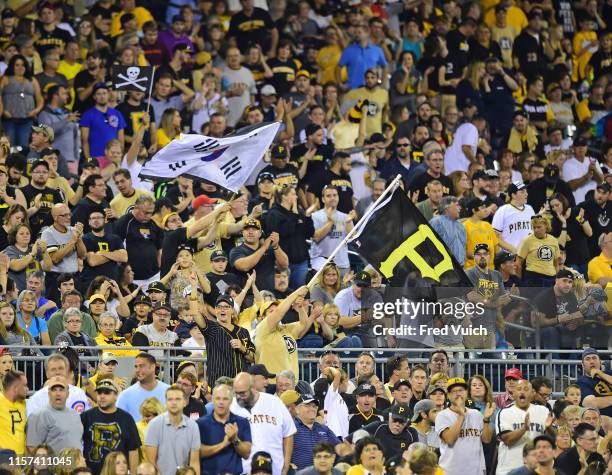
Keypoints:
pixel 151 89
pixel 350 234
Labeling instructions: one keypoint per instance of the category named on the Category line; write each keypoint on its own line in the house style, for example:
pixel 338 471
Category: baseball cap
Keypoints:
pixel 278 151
pixel 183 365
pixel 107 384
pixel 252 223
pixel 143 300
pixel 261 462
pixel 268 90
pixel 605 187
pixel 302 72
pixel 363 279
pixel 265 176
pixel 99 85
pixel 515 187
pixel 365 389
pixel 480 175
pixel 401 412
pixel 553 86
pixel 513 373
pixel 265 306
pixel 225 298
pixel 107 357
pixel 502 257
pixel 481 247
pixel 456 382
pixel 157 286
pixel 8 13
pixel 436 389
pixel 492 174
pixel 218 254
pixel 564 274
pixel 162 306
pixel 56 381
pixel 176 18
pixel 501 6
pixel 551 173
pixel 47 152
pixel 91 162
pixel 400 383
pixel 424 405
pixel 588 351
pixel 580 142
pixel 545 437
pixel 260 370
pixel 95 297
pixel 291 396
pixel 39 162
pixel 376 137
pixel 201 200
pixel 521 112
pixel 202 58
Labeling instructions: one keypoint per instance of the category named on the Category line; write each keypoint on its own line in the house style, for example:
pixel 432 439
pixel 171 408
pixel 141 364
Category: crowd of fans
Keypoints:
pixel 496 114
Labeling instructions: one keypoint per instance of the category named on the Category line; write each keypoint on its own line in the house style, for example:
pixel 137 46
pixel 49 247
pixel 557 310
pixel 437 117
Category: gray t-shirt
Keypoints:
pixel 174 444
pixel 59 429
pixel 321 250
pixel 490 285
pixel 55 240
pixel 231 78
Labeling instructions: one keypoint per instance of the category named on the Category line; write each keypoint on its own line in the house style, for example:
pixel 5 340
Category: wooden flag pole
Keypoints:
pixel 151 89
pixel 392 186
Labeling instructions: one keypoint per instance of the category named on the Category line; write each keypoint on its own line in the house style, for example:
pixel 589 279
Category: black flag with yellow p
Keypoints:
pixel 397 240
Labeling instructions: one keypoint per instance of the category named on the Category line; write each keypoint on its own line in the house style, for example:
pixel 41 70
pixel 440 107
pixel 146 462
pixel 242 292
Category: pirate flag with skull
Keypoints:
pixel 132 78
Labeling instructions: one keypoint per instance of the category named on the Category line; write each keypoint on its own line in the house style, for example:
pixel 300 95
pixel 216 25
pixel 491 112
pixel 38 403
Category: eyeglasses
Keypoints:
pixel 74 321
pixel 403 145
pixel 224 307
pixel 64 215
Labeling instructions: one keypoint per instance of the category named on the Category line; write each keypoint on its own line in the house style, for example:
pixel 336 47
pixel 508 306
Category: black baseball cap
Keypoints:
pixel 365 388
pixel 565 274
pixel 401 412
pixel 400 383
pixel 91 162
pixel 363 279
pixel 261 370
pixel 157 286
pixel 474 204
pixel 218 254
pixel 503 256
pixel 225 298
pixel 162 306
pixel 481 247
pixel 40 162
pixel 580 142
pixel 605 187
pixel 515 187
pixel 278 151
pixel 143 300
pixel 551 173
pixel 547 438
pixel 261 462
pixel 265 176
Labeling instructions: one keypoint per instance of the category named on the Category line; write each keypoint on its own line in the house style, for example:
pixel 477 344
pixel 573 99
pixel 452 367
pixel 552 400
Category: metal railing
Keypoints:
pixel 463 363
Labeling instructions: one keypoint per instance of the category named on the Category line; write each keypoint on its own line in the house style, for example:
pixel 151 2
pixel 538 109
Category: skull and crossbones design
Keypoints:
pixel 132 78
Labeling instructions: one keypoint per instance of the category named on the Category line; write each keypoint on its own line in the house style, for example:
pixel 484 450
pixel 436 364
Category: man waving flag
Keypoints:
pixel 227 162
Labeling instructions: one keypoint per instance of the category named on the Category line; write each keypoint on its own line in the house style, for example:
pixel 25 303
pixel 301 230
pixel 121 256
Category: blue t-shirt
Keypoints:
pixel 42 301
pixel 131 399
pixel 597 388
pixel 103 127
pixel 212 432
pixel 37 326
pixel 358 60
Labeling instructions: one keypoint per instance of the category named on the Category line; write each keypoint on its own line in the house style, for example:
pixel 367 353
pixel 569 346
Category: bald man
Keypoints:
pixel 272 426
pixel 65 245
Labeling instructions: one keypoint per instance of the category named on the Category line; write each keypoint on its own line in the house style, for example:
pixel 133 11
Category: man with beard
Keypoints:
pixel 104 251
pixel 423 421
pixel 490 293
pixel 106 429
pixel 225 437
pixel 141 316
pixel 336 175
pixel 598 212
pixel 420 135
pixel 272 427
pixel 434 161
pixel 517 424
pixel 40 198
pixel 13 411
pixel 229 347
pixel 595 383
pixel 378 98
pixel 400 162
pixel 462 431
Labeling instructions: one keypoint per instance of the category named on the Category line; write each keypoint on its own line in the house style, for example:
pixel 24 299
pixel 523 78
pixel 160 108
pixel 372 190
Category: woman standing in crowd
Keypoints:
pixel 26 258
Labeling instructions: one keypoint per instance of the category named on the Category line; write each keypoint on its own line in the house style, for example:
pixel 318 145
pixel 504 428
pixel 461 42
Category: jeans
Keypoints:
pixel 18 131
pixel 311 341
pixel 298 274
pixel 557 337
pixel 582 268
pixel 351 341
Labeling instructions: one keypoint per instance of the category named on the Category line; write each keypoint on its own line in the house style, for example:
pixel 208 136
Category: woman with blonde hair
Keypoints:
pixel 6 364
pixel 150 408
pixel 423 462
pixel 169 127
pixel 12 332
pixel 333 333
pixel 563 439
pixel 540 266
pixel 73 458
pixel 115 463
pixel 328 285
pixel 470 90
